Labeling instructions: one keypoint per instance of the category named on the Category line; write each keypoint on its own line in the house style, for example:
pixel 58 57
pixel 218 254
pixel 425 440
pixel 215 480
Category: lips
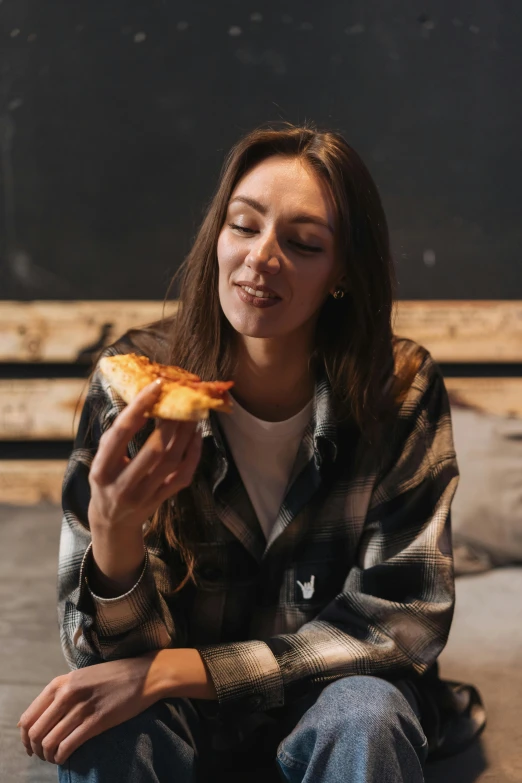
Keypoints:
pixel 258 302
pixel 258 287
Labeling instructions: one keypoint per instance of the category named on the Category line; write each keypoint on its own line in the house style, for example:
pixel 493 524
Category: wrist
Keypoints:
pixel 158 681
pixel 118 558
pixel 180 672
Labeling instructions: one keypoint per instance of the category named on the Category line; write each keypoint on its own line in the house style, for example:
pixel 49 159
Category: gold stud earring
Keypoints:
pixel 338 293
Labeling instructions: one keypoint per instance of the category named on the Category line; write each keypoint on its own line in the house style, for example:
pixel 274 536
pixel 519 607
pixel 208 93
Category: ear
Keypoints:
pixel 341 282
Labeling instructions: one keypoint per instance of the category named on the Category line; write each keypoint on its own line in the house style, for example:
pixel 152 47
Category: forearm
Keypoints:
pixel 118 559
pixel 181 673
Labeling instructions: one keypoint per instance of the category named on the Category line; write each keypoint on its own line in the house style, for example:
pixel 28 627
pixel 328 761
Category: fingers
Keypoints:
pixel 181 478
pixel 75 735
pixel 178 448
pixel 52 736
pixel 42 732
pixel 164 454
pixel 67 735
pixel 168 431
pixel 36 709
pixel 51 719
pixel 113 443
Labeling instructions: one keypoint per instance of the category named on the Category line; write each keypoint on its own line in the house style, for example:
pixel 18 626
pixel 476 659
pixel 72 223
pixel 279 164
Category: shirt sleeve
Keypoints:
pixel 95 629
pixel 394 613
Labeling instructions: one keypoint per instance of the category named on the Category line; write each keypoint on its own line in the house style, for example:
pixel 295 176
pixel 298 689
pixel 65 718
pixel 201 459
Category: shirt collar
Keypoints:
pixel 324 421
pixel 322 429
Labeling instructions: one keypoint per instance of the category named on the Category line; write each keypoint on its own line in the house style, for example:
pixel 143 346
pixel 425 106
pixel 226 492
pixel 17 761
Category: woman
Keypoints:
pixel 274 587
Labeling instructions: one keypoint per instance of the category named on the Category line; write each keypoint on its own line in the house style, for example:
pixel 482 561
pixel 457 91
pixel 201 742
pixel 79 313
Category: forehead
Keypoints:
pixel 287 184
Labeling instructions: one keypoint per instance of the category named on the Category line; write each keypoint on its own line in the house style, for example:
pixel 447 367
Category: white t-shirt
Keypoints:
pixel 264 452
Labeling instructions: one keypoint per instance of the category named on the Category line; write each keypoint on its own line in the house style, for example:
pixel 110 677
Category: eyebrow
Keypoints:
pixel 302 218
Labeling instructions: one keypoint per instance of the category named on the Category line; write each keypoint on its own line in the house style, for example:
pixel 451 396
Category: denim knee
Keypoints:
pixel 370 705
pixel 136 749
pixel 361 729
pixel 368 708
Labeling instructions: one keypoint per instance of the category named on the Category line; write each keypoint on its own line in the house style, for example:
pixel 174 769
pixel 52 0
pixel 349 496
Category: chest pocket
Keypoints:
pixel 316 583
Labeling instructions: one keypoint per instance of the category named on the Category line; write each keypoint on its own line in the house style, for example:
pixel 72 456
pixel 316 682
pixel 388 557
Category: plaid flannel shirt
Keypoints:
pixel 377 544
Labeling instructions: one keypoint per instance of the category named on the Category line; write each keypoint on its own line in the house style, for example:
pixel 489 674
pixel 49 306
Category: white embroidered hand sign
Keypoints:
pixel 308 587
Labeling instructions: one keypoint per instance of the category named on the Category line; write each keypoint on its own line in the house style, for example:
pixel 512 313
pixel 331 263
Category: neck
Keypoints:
pixel 273 381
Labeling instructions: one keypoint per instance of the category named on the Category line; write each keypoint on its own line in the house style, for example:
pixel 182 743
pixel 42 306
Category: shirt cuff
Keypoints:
pixel 246 676
pixel 119 615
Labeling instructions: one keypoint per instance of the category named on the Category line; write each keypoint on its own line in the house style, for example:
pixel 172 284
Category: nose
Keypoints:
pixel 264 256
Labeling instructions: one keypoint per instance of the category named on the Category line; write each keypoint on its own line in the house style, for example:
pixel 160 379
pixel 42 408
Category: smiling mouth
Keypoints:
pixel 260 300
pixel 256 292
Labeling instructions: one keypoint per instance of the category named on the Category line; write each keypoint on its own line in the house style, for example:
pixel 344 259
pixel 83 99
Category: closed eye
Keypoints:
pixel 309 248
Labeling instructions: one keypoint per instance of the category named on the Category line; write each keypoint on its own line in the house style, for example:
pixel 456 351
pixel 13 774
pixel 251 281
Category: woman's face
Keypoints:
pixel 278 241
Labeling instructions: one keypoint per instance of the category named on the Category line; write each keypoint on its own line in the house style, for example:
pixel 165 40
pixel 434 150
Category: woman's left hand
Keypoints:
pixel 85 702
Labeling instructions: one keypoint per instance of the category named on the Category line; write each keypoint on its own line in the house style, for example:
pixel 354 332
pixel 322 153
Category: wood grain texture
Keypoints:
pixel 69 331
pixel 454 331
pixel 40 408
pixel 464 331
pixel 27 482
pixel 498 396
pixel 31 481
pixel 43 409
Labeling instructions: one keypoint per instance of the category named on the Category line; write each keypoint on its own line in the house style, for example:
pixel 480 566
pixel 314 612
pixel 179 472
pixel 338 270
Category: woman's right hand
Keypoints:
pixel 125 492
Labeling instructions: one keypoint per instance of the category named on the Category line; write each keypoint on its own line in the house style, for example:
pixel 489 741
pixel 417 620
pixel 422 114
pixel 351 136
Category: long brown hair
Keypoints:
pixel 354 339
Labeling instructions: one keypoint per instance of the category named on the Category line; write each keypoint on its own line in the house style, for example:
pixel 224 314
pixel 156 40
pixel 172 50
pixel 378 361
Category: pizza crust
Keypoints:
pixel 129 373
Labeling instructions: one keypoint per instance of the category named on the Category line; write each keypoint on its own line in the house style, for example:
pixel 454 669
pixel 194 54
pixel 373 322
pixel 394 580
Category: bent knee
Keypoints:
pixel 125 734
pixel 127 751
pixel 365 699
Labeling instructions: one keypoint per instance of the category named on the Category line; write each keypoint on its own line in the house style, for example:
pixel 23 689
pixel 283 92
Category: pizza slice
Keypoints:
pixel 184 396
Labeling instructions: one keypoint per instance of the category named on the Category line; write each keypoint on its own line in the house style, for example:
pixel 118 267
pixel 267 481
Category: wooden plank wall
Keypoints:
pixel 69 334
pixel 454 331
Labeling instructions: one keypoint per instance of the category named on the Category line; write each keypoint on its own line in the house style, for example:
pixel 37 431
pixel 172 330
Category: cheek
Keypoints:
pixel 228 262
pixel 312 287
pixel 228 257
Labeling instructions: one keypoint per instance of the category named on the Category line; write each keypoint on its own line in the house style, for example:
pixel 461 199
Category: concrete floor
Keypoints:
pixel 485 648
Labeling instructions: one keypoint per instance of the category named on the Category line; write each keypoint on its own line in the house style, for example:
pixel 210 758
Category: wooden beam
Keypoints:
pixel 43 409
pixel 453 330
pixel 40 408
pixel 26 482
pixel 498 396
pixel 69 331
pixel 464 331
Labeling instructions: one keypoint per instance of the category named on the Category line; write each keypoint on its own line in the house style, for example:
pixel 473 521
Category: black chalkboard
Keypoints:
pixel 115 116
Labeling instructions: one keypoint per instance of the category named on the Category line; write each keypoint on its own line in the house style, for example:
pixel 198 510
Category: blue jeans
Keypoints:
pixel 355 730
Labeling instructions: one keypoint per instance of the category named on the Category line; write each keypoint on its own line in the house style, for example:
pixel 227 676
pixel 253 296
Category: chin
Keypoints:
pixel 255 330
pixel 254 326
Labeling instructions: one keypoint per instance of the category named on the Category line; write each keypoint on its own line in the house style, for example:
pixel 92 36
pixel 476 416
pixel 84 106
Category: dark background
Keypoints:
pixel 115 117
